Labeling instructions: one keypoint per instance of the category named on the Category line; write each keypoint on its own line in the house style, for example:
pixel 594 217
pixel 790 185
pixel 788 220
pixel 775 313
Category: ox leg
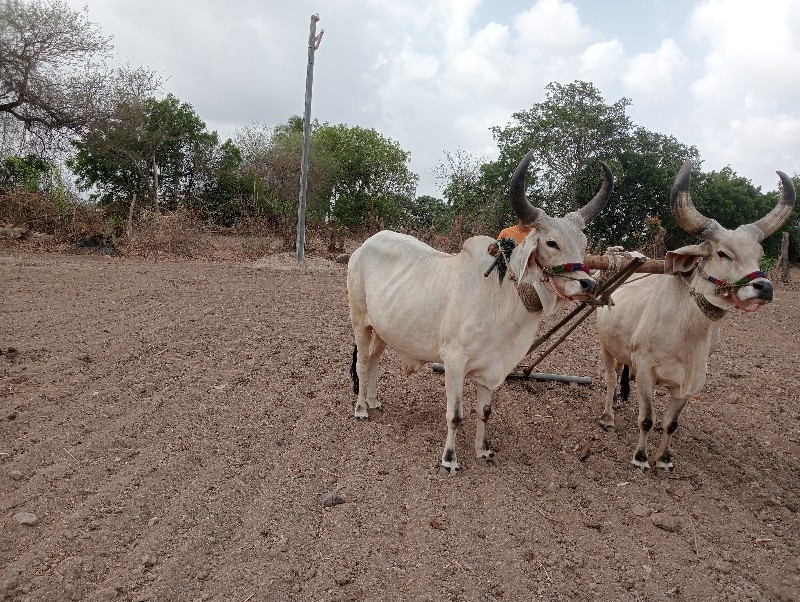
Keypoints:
pixel 454 387
pixel 669 424
pixel 606 420
pixel 369 348
pixel 483 408
pixel 376 349
pixel 644 391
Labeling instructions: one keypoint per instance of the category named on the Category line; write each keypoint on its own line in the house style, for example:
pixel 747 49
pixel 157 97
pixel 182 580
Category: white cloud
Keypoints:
pixel 552 27
pixel 746 98
pixel 752 49
pixel 652 76
pixel 435 75
pixel 602 62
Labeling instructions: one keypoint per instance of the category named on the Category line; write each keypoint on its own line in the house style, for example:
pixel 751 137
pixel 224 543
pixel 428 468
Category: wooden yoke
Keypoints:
pixel 602 262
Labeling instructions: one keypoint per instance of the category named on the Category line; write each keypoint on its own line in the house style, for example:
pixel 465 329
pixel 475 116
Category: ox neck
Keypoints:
pixel 502 251
pixel 709 310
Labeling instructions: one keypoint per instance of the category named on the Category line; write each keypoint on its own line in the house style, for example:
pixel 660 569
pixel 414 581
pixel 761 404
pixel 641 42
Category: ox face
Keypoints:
pixel 551 245
pixel 554 250
pixel 727 261
pixel 728 266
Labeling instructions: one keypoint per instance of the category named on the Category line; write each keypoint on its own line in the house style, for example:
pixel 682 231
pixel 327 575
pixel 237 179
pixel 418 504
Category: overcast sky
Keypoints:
pixel 435 75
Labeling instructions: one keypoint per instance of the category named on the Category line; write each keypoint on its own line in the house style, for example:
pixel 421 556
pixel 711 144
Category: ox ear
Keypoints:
pixel 527 253
pixel 682 261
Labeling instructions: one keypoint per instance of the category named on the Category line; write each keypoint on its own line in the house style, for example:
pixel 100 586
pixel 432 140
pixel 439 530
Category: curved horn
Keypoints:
pixel 687 217
pixel 593 208
pixel 780 213
pixel 516 193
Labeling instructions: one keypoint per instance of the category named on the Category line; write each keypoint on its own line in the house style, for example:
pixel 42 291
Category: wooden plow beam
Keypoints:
pixel 584 310
pixel 604 262
pixel 625 267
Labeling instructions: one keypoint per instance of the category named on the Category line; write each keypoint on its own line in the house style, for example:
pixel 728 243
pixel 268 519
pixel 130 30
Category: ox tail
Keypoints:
pixel 625 382
pixel 353 372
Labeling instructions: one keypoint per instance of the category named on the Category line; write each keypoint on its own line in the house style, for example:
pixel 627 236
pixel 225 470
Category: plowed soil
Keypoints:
pixel 176 426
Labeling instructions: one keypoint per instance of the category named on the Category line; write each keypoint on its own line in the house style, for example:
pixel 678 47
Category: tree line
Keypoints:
pixel 122 139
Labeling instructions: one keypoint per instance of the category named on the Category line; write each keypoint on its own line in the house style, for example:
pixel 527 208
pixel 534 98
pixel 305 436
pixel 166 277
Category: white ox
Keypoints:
pixel 430 306
pixel 665 326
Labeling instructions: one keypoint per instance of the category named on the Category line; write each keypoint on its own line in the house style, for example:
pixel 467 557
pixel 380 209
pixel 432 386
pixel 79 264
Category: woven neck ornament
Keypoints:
pixel 501 251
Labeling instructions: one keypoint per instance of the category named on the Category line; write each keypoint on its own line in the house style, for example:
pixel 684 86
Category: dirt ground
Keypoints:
pixel 175 427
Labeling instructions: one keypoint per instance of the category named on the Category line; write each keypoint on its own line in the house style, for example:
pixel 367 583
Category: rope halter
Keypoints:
pixel 732 290
pixel 561 271
pixel 501 250
pixel 725 289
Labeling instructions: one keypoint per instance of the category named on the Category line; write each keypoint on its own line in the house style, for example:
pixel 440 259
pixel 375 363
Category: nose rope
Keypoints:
pixel 724 288
pixel 563 270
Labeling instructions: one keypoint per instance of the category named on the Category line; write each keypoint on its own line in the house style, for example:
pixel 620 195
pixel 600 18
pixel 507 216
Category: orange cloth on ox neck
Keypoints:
pixel 517 232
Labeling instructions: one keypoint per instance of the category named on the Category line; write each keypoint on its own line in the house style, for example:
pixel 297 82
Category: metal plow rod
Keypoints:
pixel 541 376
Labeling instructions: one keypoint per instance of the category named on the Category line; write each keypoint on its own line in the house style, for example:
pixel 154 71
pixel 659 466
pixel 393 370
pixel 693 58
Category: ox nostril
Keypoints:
pixel 587 284
pixel 764 289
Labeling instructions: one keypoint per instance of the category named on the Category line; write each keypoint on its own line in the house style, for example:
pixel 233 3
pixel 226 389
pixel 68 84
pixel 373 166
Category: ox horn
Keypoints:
pixel 780 213
pixel 526 212
pixel 687 217
pixel 593 208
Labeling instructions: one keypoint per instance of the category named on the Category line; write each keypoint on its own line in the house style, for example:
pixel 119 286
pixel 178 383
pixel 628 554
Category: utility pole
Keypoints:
pixel 313 43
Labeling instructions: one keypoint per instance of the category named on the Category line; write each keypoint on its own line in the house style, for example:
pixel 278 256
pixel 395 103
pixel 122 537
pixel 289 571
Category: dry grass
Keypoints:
pixel 158 234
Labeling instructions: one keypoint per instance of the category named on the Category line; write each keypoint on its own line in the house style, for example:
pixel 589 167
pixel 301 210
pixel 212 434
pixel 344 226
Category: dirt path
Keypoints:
pixel 174 428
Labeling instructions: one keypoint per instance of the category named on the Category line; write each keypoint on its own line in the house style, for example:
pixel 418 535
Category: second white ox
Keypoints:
pixel 664 326
pixel 430 306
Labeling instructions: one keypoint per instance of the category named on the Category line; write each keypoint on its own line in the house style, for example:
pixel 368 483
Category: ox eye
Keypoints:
pixel 552 244
pixel 723 254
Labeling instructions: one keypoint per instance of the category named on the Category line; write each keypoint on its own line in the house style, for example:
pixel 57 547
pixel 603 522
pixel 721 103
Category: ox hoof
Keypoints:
pixel 667 467
pixel 486 457
pixel 446 471
pixel 606 423
pixel 642 465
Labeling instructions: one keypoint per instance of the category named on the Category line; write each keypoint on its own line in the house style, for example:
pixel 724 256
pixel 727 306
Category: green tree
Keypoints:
pixel 475 191
pixel 732 200
pixel 371 185
pixel 569 132
pixel 222 186
pixel 29 173
pixel 644 173
pixel 155 148
pixel 428 213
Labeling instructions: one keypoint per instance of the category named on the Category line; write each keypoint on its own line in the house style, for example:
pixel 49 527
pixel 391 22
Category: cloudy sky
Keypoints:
pixel 435 75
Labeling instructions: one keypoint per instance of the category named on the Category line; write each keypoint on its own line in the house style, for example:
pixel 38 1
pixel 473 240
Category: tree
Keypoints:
pixel 732 200
pixel 155 148
pixel 474 192
pixel 569 132
pixel 221 187
pixel 371 185
pixel 428 213
pixel 270 172
pixel 29 173
pixel 644 173
pixel 50 67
